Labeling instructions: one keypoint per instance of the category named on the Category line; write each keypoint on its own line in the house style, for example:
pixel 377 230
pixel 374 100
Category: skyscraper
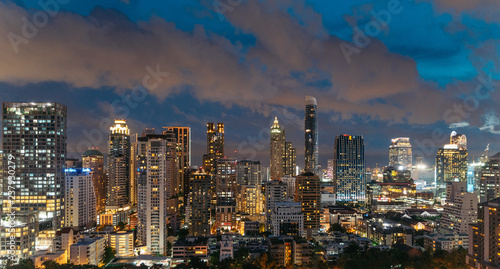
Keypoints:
pixel 94 160
pixel 277 150
pixel 183 137
pixel 133 169
pixel 311 135
pixel 35 135
pixel 400 153
pixel 349 168
pixel 225 191
pixel 79 198
pixel 289 160
pixel 460 209
pixel 157 182
pixel 484 237
pixel 248 173
pixel 201 187
pixel 307 192
pixel 451 163
pixel 215 147
pixel 119 164
pixel 275 191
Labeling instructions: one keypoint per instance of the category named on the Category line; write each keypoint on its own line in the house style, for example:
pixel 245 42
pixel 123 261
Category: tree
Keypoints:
pixel 337 227
pixel 109 255
pixel 183 233
pixel 121 226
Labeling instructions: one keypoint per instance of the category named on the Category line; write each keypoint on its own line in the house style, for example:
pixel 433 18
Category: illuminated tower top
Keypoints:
pixel 120 127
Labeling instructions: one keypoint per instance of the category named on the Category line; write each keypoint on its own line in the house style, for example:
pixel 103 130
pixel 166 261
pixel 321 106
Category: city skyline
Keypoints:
pixel 433 91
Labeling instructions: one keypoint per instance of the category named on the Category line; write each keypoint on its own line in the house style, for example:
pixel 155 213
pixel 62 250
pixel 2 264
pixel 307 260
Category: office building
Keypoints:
pixel 35 135
pixel 288 219
pixel 215 147
pixel 200 195
pixel 289 160
pixel 311 135
pixel 488 185
pixel 451 164
pixel 460 209
pixel 122 242
pixel 225 191
pixel 277 150
pixel 79 198
pixel 118 164
pixel 307 192
pixel 94 160
pixel 157 189
pixel 484 250
pixel 349 168
pixel 248 173
pixel 400 154
pixel 275 191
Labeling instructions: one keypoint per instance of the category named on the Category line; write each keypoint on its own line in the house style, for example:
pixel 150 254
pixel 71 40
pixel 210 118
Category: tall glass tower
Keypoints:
pixel 349 168
pixel 311 135
pixel 35 135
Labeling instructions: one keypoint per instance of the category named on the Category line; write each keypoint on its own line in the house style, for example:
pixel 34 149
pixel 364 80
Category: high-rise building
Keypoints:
pixel 277 150
pixel 460 209
pixel 157 188
pixel 283 154
pixel 183 137
pixel 488 185
pixel 225 191
pixel 94 160
pixel 215 147
pixel 308 193
pixel 119 165
pixel 289 160
pixel 79 198
pixel 275 191
pixel 35 135
pixel 400 153
pixel 451 164
pixel 201 187
pixel 311 135
pixel 484 250
pixel 349 168
pixel 248 173
pixel 133 169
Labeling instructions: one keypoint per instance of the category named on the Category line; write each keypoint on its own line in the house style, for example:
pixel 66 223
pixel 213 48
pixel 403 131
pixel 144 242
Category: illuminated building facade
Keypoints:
pixel 94 160
pixel 289 160
pixel 183 137
pixel 311 135
pixel 400 153
pixel 35 135
pixel 308 193
pixel 460 209
pixel 118 164
pixel 349 168
pixel 288 219
pixel 484 250
pixel 215 147
pixel 157 188
pixel 200 194
pixel 283 155
pixel 451 165
pixel 79 198
pixel 225 191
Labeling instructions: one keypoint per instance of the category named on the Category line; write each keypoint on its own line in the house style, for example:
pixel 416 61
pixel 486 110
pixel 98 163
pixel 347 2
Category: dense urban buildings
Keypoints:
pixel 349 168
pixel 119 164
pixel 275 191
pixel 225 191
pixel 200 195
pixel 283 154
pixel 460 209
pixel 35 135
pixel 311 135
pixel 94 160
pixel 451 163
pixel 183 138
pixel 400 153
pixel 488 183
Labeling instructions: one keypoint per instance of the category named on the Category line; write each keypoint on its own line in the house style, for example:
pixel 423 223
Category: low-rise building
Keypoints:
pixel 59 256
pixel 185 249
pixel 122 242
pixel 446 242
pixel 288 219
pixel 88 251
pixel 387 232
pixel 344 215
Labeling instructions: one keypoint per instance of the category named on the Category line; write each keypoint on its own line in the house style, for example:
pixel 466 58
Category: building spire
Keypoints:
pixel 276 124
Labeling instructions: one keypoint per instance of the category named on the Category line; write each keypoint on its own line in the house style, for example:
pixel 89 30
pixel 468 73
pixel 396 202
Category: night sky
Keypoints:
pixel 380 69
